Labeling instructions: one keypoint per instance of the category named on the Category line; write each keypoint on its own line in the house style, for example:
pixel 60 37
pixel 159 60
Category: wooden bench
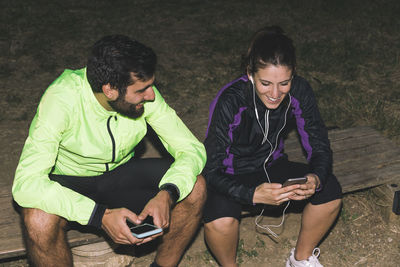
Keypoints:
pixel 363 158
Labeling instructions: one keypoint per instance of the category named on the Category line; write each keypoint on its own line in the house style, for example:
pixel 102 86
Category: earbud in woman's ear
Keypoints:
pixel 251 79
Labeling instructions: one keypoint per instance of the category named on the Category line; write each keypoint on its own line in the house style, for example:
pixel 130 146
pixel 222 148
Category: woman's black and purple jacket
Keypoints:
pixel 234 139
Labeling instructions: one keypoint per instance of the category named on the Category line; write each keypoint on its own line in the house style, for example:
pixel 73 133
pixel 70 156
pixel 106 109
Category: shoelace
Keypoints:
pixel 315 253
pixel 314 257
pixel 312 260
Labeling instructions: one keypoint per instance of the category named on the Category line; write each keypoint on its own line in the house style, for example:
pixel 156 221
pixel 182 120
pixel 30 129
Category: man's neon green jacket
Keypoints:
pixel 72 134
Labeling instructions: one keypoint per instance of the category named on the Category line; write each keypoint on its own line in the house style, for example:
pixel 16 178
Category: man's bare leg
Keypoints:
pixel 222 236
pixel 185 219
pixel 315 223
pixel 45 238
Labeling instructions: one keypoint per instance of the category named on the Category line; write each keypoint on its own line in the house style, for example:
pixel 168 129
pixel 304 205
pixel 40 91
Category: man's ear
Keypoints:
pixel 109 92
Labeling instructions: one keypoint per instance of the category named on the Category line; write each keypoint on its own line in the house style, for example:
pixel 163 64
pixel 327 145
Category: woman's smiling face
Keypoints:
pixel 272 84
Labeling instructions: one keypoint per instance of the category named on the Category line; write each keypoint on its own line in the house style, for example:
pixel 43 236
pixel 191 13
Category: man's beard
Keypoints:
pixel 126 109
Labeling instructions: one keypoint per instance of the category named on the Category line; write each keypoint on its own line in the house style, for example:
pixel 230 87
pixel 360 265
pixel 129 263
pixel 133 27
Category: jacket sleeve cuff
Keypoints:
pixel 172 190
pixel 251 194
pixel 97 215
pixel 321 181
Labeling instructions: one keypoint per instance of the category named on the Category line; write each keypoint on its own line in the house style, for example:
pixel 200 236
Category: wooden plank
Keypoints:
pixel 362 157
pixel 365 141
pixel 10 231
pixel 77 238
pixel 355 132
pixel 365 163
pixel 372 178
pixel 12 245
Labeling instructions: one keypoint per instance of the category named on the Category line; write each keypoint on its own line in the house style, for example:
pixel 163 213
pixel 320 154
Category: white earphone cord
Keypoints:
pixel 265 133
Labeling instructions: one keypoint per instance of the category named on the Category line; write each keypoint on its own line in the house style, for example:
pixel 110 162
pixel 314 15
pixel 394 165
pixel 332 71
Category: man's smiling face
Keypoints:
pixel 131 103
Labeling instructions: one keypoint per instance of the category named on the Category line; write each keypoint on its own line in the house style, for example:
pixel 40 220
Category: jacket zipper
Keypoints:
pixel 112 141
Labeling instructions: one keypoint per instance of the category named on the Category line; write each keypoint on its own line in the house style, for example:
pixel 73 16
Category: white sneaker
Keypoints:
pixel 312 261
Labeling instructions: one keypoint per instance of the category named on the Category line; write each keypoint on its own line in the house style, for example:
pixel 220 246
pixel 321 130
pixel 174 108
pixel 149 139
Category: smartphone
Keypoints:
pixel 292 181
pixel 144 230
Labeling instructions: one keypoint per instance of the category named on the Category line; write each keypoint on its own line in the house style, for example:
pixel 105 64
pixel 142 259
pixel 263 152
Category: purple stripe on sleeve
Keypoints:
pixel 214 102
pixel 228 161
pixel 278 152
pixel 300 127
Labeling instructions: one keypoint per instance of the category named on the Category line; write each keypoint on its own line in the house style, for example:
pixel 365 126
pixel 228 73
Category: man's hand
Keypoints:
pixel 308 189
pixel 114 223
pixel 159 207
pixel 273 193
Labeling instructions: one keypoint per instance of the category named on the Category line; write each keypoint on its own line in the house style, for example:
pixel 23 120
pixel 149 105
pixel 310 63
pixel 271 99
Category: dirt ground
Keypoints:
pixel 199 51
pixel 359 238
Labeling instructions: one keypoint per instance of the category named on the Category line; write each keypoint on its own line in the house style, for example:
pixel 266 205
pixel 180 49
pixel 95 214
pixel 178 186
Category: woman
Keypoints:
pixel 246 165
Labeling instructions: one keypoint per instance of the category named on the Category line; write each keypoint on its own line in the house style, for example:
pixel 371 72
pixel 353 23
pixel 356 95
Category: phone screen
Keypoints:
pixel 143 228
pixel 292 181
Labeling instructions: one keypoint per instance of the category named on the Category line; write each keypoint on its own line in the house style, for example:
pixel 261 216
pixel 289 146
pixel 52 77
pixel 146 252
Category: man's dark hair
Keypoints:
pixel 269 46
pixel 113 59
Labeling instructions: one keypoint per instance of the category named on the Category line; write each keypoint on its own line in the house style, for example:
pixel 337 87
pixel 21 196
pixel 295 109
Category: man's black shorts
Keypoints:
pixel 129 186
pixel 219 205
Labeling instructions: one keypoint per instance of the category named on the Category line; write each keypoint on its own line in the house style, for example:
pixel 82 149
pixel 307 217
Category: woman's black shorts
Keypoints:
pixel 219 205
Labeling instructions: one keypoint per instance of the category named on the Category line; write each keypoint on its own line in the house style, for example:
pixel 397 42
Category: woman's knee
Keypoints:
pixel 222 225
pixel 335 205
pixel 331 207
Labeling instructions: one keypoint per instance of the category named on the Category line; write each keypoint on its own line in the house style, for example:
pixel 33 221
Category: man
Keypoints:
pixel 77 163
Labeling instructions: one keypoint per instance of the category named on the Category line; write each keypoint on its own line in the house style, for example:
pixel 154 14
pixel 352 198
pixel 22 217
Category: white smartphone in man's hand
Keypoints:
pixel 144 230
pixel 292 181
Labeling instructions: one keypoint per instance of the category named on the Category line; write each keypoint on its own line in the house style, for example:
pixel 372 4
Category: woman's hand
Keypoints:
pixel 308 189
pixel 273 193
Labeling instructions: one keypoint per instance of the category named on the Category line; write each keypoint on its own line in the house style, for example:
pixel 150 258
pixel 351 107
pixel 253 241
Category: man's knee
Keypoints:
pixel 199 193
pixel 41 227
